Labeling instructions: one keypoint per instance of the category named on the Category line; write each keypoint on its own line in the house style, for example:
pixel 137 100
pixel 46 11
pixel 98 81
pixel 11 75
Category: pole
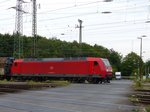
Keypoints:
pixel 141 59
pixel 80 31
pixel 140 67
pixel 141 64
pixel 141 49
pixel 34 27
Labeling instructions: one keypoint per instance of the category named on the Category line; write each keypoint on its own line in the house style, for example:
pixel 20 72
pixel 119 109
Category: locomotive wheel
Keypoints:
pixel 94 81
pixel 90 80
pixel 82 81
pixel 108 81
pixel 101 81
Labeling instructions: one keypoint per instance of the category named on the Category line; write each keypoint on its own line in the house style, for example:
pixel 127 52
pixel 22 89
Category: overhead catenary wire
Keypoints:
pixel 77 14
pixel 108 25
pixel 100 29
pixel 102 25
pixel 64 17
pixel 77 6
pixel 74 6
pixel 108 32
pixel 4 4
pixel 114 11
pixel 4 1
pixel 84 4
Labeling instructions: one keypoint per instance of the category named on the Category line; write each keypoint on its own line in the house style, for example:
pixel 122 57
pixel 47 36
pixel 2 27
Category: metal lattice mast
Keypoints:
pixel 18 41
pixel 34 27
pixel 19 17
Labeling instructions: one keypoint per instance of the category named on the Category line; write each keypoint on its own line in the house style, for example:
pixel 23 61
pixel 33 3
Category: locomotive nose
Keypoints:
pixel 109 69
pixel 7 67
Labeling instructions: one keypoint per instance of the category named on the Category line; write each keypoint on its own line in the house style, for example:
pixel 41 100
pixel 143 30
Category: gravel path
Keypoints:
pixel 111 97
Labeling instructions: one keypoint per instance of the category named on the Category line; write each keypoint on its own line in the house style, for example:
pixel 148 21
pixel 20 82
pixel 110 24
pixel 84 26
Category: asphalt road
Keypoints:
pixel 111 97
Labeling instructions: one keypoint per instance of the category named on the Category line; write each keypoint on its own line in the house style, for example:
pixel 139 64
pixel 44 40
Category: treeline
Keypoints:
pixel 52 47
pixel 47 48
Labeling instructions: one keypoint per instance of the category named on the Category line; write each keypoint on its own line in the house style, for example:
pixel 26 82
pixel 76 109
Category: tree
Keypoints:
pixel 6 45
pixel 147 68
pixel 101 51
pixel 115 60
pixel 130 64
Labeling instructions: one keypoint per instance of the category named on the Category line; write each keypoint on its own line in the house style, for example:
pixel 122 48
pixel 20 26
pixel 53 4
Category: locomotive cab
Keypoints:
pixel 108 69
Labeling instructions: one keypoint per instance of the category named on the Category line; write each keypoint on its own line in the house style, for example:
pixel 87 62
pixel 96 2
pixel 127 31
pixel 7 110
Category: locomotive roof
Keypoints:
pixel 60 59
pixel 54 59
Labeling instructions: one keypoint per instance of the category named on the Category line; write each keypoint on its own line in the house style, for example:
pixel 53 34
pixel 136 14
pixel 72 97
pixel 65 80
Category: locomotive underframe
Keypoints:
pixel 77 78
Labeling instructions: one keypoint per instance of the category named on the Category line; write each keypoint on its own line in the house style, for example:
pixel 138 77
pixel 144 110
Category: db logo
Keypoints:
pixel 51 67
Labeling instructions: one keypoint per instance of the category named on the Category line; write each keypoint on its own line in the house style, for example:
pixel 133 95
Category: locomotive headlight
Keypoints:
pixel 51 67
pixel 109 70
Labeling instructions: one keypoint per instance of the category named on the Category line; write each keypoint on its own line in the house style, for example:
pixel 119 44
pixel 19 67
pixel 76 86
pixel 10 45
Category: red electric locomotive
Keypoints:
pixel 94 70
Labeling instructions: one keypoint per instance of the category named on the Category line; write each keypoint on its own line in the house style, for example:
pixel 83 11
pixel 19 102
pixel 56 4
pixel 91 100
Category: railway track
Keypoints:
pixel 16 87
pixel 142 96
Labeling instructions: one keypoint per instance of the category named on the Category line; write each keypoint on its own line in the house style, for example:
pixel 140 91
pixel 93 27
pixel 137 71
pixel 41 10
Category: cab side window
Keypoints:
pixel 95 63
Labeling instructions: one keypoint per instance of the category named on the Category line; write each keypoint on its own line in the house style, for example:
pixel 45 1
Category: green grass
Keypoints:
pixel 34 82
pixel 148 108
pixel 137 84
pixel 147 80
pixel 58 83
pixel 5 81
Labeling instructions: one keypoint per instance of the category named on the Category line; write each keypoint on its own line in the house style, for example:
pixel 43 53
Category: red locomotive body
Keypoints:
pixel 78 69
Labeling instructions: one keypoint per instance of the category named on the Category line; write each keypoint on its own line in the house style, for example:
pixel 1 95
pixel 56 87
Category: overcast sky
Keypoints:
pixel 58 18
